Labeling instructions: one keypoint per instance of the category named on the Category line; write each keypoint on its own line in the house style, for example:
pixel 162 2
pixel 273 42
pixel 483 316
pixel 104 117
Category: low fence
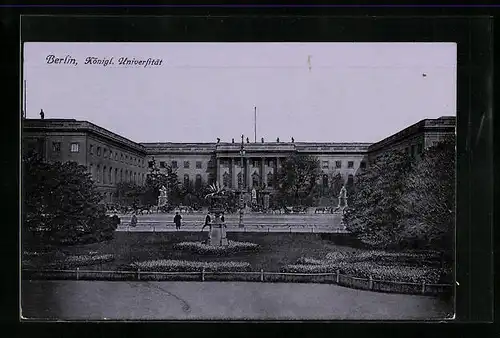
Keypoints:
pixel 247 276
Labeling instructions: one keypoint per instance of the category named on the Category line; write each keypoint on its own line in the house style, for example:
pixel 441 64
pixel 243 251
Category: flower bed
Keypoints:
pixel 390 266
pixel 201 248
pixel 82 260
pixel 365 270
pixel 166 265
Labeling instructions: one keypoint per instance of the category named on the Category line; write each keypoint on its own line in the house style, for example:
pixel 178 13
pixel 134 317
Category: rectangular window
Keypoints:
pixel 362 165
pixel 116 156
pixel 186 164
pixel 325 165
pixel 412 150
pixel 98 151
pixel 198 164
pixel 91 149
pixel 338 164
pixel 162 164
pixel 105 153
pixel 407 150
pixel 56 147
pixel 75 147
pixel 111 154
pixel 174 164
pixel 350 164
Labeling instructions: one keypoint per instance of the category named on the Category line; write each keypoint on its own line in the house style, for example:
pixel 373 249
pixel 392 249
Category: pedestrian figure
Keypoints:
pixel 223 220
pixel 133 221
pixel 208 221
pixel 177 220
pixel 42 114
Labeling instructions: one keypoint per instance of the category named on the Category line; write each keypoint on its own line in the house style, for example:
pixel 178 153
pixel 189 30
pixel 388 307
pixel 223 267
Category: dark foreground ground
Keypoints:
pixel 98 300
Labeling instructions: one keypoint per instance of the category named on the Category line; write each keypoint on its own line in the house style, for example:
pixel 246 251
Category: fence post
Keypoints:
pixel 261 275
pixel 203 274
pixel 370 285
pixel 138 274
pixel 338 276
pixel 77 273
pixel 423 287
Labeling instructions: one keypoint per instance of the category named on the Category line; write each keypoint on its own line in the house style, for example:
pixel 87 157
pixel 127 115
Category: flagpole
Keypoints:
pixel 255 124
pixel 24 105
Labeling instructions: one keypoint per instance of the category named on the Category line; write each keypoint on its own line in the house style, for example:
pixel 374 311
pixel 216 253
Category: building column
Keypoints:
pixel 248 175
pixel 234 176
pixel 275 174
pixel 263 175
pixel 218 172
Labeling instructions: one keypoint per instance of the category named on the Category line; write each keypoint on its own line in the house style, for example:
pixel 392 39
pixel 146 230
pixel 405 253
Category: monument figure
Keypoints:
pixel 342 198
pixel 163 198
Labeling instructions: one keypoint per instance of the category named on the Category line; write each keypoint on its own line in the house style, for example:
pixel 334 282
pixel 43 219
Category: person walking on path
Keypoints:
pixel 208 221
pixel 133 221
pixel 177 220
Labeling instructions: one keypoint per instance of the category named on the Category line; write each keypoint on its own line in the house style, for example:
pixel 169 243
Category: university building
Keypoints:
pixel 111 158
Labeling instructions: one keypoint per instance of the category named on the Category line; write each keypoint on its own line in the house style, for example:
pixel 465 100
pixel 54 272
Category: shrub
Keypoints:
pixel 166 265
pixel 201 248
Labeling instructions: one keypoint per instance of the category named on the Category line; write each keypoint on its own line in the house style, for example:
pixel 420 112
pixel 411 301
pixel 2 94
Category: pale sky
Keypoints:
pixel 315 92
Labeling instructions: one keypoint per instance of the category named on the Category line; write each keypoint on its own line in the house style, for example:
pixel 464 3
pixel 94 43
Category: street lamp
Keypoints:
pixel 242 154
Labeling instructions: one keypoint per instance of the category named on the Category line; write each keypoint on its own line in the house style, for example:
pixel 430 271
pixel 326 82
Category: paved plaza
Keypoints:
pixel 97 300
pixel 253 222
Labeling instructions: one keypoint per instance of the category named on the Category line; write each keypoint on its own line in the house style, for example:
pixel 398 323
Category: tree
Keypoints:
pixel 428 204
pixel 374 214
pixel 61 203
pixel 297 179
pixel 129 193
pixel 157 178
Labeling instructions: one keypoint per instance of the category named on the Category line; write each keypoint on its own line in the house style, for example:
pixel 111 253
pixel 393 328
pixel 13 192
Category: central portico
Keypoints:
pixel 260 164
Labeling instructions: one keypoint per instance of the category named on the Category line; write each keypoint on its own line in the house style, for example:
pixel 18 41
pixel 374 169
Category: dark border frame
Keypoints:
pixel 474 292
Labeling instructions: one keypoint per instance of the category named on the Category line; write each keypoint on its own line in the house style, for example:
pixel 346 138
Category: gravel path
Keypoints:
pixel 96 300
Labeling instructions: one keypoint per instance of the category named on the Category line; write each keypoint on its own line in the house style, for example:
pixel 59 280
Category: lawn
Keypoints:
pixel 275 249
pixel 295 252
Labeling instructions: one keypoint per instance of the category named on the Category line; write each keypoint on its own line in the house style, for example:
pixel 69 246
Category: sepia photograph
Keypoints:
pixel 238 181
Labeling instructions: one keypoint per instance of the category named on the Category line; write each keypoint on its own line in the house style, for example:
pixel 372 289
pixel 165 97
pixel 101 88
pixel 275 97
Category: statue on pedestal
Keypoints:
pixel 163 198
pixel 217 234
pixel 342 198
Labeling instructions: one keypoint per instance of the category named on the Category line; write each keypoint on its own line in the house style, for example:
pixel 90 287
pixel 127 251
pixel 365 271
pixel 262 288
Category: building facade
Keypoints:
pixel 111 158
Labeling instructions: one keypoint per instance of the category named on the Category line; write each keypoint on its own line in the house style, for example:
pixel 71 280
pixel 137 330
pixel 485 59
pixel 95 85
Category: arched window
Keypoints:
pixel 270 179
pixel 325 181
pixel 91 170
pixel 198 182
pixel 110 179
pixel 135 178
pixel 116 175
pixel 226 179
pixel 186 180
pixel 121 175
pixel 240 180
pixel 104 174
pixel 126 175
pixel 255 179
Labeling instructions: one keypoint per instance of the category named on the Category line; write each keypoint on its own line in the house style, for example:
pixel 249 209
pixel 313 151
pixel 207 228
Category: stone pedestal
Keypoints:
pixel 266 201
pixel 217 234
